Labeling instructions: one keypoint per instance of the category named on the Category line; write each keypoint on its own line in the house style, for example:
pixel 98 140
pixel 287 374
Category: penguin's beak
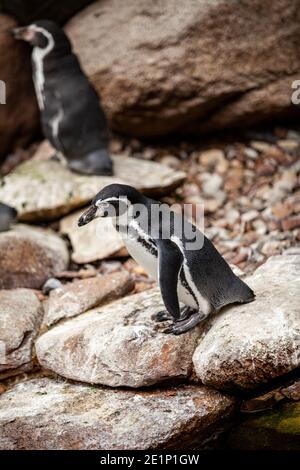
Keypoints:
pixel 87 216
pixel 24 33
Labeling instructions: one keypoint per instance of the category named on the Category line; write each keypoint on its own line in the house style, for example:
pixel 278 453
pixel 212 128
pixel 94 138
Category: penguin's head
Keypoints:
pixel 43 34
pixel 112 201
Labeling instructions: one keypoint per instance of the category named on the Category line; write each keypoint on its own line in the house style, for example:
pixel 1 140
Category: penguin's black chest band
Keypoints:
pixel 148 245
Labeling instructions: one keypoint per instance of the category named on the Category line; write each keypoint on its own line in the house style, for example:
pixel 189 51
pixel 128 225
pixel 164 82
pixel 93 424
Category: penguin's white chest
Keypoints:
pixel 142 256
pixel 38 77
pixel 149 261
pixel 38 56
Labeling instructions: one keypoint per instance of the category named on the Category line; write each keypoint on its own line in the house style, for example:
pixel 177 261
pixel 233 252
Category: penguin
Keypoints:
pixel 186 265
pixel 8 216
pixel 71 115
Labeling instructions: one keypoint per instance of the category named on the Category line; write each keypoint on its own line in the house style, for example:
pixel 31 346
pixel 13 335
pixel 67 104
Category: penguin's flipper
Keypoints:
pixel 170 260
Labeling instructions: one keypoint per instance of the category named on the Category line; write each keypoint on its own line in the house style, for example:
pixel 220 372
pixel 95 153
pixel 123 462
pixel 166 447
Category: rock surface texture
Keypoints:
pixel 77 297
pixel 248 345
pixel 19 117
pixel 49 414
pixel 29 256
pixel 119 345
pixel 190 66
pixel 20 317
pixel 44 188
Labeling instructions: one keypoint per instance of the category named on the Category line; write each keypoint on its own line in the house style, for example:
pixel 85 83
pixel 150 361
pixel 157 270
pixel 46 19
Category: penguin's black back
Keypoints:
pixel 215 278
pixel 210 272
pixel 83 126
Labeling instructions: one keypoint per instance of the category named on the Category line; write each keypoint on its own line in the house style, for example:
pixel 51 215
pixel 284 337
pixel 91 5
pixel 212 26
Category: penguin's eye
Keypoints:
pixel 105 214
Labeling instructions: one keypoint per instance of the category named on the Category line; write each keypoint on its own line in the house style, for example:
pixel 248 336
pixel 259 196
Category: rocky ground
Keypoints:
pixel 75 308
pixel 82 363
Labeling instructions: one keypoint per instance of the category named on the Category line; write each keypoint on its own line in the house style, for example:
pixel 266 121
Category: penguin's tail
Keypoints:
pixel 242 293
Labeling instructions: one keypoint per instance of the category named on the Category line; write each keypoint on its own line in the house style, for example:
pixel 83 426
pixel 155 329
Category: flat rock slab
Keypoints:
pixel 118 345
pixel 29 256
pixel 81 295
pixel 20 317
pixel 50 414
pixel 248 345
pixel 95 241
pixel 42 189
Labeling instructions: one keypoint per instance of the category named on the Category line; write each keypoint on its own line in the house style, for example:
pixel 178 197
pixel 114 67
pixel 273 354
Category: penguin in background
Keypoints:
pixel 72 118
pixel 188 269
pixel 8 216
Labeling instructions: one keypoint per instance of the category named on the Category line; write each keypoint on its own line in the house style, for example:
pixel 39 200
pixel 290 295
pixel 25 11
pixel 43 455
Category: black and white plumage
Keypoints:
pixel 195 275
pixel 72 118
pixel 8 216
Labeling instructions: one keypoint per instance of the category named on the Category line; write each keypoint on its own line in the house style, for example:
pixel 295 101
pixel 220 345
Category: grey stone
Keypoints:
pixel 47 414
pixel 20 317
pixel 248 345
pixel 118 345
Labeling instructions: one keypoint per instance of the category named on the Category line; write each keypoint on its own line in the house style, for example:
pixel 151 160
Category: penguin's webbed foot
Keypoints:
pixel 57 157
pixel 182 326
pixel 164 315
pixel 161 316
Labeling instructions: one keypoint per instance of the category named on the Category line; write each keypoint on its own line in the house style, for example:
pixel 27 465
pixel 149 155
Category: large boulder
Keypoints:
pixel 191 66
pixel 118 345
pixel 248 345
pixel 29 256
pixel 20 317
pixel 44 188
pixel 19 116
pixel 49 414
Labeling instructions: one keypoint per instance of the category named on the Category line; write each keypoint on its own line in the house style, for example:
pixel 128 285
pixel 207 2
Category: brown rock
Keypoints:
pixel 282 209
pixel 266 169
pixel 19 117
pixel 290 223
pixel 58 415
pixel 289 392
pixel 20 317
pixel 77 297
pixel 29 256
pixel 178 78
pixel 234 179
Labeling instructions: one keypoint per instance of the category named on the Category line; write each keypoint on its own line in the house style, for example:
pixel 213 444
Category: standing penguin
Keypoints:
pixel 173 251
pixel 8 216
pixel 72 118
